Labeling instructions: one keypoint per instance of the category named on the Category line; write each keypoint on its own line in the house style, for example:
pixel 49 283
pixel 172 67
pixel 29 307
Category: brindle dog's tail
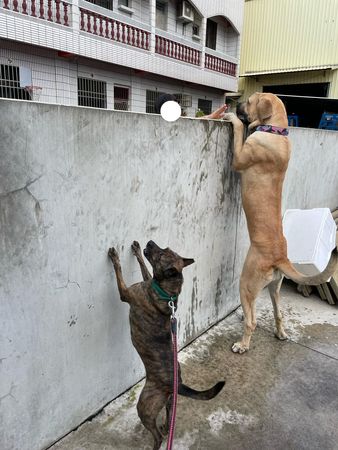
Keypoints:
pixel 186 391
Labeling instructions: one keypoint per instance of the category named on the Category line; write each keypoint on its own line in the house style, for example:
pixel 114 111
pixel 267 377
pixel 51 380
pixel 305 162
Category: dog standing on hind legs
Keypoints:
pixel 262 159
pixel 149 320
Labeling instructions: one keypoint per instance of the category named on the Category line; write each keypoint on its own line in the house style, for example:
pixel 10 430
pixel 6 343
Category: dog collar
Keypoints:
pixel 163 294
pixel 274 130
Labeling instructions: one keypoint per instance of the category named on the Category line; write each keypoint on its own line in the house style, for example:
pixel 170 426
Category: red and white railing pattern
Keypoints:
pixel 109 28
pixel 220 65
pixel 175 50
pixel 56 11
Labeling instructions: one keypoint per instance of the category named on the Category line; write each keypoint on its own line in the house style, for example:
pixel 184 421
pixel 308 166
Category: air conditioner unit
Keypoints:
pixel 185 12
pixel 185 100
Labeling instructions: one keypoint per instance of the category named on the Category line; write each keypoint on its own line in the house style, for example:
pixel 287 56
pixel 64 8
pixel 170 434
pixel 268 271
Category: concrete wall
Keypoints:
pixel 74 181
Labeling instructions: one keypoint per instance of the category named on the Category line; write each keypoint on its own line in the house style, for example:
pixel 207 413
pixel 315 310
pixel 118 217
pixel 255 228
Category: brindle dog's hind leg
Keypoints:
pixel 165 427
pixel 150 403
pixel 123 290
pixel 136 249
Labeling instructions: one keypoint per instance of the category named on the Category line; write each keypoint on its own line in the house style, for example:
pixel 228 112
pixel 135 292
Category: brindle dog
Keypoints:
pixel 150 331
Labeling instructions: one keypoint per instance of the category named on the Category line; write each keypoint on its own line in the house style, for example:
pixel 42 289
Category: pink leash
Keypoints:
pixel 173 325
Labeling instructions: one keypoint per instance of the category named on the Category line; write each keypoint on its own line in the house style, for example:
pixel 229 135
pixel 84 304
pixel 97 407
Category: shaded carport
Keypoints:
pixel 307 101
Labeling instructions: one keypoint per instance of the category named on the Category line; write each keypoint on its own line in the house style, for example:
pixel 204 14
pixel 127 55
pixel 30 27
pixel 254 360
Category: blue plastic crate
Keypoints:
pixel 329 121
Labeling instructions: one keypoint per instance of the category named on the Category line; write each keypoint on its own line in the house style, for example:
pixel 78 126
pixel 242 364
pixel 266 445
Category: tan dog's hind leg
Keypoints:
pixel 150 403
pixel 274 289
pixel 253 280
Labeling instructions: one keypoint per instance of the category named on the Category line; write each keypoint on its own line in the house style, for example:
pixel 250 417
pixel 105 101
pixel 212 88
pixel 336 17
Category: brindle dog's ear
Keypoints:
pixel 188 261
pixel 264 109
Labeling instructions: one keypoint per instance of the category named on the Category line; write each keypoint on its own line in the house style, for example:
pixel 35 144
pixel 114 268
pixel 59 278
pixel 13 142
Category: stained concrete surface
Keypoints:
pixel 83 183
pixel 280 395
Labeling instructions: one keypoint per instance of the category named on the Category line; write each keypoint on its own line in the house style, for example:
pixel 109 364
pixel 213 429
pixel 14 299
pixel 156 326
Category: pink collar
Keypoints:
pixel 273 129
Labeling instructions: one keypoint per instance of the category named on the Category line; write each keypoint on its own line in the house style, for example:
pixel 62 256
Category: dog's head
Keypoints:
pixel 260 108
pixel 167 265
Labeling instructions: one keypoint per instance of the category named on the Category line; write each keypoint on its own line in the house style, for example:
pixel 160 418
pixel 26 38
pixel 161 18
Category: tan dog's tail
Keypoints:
pixel 186 391
pixel 289 271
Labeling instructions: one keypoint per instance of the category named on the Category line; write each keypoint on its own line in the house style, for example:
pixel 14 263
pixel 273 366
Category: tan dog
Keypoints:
pixel 262 160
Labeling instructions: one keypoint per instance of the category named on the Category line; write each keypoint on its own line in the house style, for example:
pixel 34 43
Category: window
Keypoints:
pixel 126 3
pixel 10 83
pixel 211 35
pixel 195 30
pixel 161 15
pixel 92 93
pixel 205 105
pixel 121 98
pixel 108 4
pixel 151 97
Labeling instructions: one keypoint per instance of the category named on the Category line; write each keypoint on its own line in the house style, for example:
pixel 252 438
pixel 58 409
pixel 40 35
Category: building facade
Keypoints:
pixel 120 54
pixel 290 48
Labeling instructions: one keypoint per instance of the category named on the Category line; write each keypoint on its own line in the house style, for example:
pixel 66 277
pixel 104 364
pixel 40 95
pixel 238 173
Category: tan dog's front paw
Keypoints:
pixel 136 248
pixel 113 255
pixel 231 117
pixel 240 348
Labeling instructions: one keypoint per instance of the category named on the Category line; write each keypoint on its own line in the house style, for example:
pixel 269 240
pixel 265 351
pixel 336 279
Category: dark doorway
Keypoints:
pixel 306 89
pixel 306 101
pixel 211 36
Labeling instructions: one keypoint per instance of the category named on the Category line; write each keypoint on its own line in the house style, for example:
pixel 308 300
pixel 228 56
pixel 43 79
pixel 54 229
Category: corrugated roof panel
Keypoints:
pixel 289 34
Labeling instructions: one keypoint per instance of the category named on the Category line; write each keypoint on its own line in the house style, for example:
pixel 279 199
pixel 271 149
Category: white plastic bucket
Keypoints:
pixel 311 237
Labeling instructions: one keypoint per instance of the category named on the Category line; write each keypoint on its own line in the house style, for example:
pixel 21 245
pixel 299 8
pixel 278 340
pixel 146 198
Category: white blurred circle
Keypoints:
pixel 170 111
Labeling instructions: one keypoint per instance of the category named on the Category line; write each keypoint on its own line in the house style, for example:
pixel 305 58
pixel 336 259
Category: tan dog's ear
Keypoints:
pixel 264 109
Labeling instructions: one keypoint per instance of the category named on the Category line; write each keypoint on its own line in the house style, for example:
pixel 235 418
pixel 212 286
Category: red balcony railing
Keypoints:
pixel 220 65
pixel 56 11
pixel 178 51
pixel 103 26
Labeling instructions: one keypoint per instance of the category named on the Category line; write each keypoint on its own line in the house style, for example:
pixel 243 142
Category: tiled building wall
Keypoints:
pixel 58 78
pixel 141 10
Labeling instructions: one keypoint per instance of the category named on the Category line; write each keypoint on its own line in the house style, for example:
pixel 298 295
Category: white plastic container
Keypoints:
pixel 311 237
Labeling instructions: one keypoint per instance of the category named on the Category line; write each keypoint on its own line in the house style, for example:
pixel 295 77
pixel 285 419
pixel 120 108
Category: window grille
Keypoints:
pixel 92 93
pixel 121 98
pixel 205 105
pixel 10 83
pixel 151 97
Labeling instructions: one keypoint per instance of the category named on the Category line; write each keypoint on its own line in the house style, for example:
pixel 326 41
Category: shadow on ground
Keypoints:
pixel 280 395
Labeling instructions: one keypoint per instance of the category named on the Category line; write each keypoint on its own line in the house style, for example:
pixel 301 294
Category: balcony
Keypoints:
pixel 172 49
pixel 56 11
pixel 103 26
pixel 220 65
pixel 86 29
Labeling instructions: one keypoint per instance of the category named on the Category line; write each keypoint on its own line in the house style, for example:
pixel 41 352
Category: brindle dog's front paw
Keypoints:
pixel 136 248
pixel 113 255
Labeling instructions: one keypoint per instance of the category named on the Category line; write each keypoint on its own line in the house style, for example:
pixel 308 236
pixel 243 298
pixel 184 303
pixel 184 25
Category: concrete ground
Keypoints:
pixel 280 395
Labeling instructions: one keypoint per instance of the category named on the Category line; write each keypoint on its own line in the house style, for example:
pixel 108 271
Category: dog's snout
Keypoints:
pixel 150 247
pixel 240 108
pixel 242 114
